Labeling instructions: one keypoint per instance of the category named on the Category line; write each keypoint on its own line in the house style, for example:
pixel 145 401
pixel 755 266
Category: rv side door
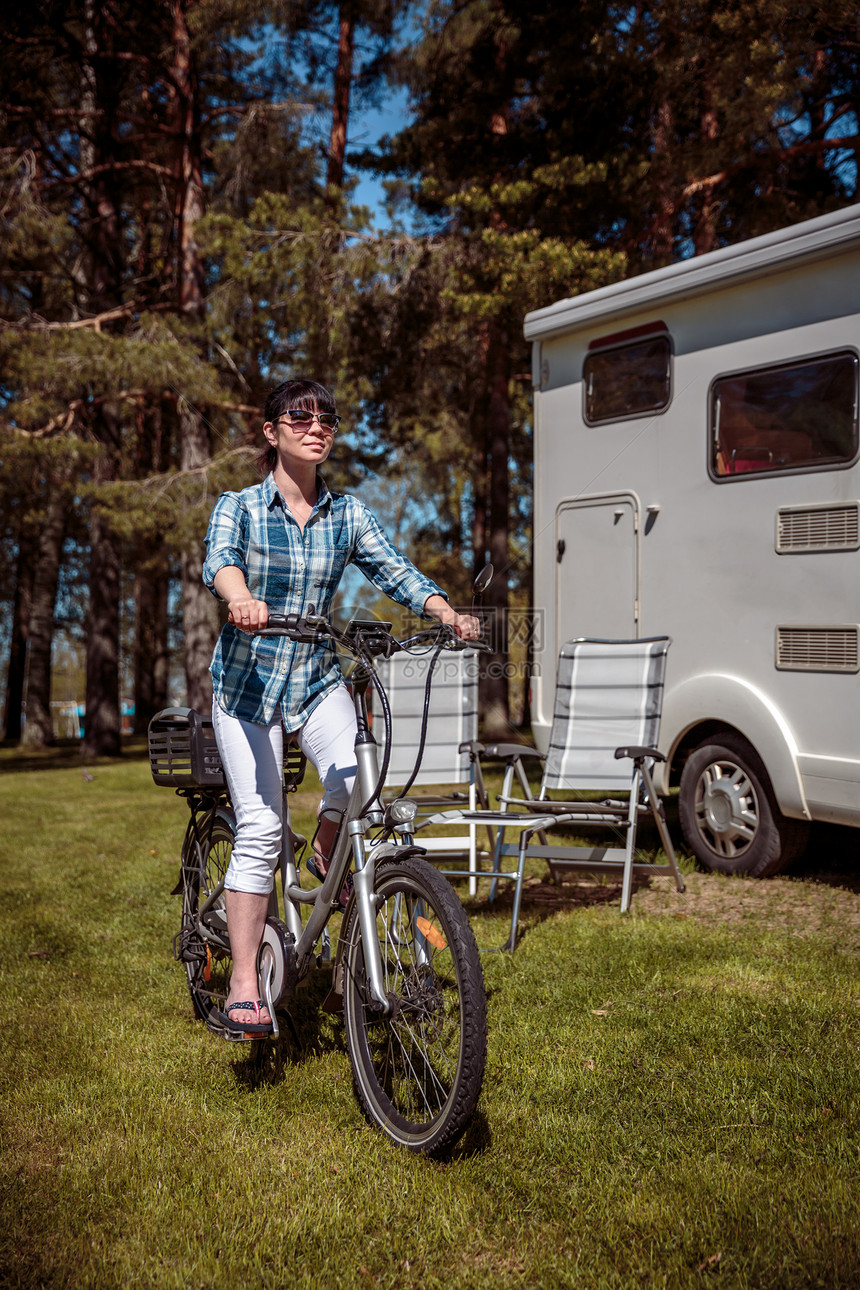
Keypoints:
pixel 597 567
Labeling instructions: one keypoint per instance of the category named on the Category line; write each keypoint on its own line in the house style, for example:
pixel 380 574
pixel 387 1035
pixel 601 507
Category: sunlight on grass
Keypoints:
pixel 666 1097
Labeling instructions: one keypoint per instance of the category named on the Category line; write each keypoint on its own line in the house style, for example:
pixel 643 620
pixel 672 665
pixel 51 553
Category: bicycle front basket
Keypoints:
pixel 182 750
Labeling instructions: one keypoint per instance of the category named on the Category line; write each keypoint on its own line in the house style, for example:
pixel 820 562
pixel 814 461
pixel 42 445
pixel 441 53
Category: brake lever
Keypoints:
pixel 309 630
pixel 459 644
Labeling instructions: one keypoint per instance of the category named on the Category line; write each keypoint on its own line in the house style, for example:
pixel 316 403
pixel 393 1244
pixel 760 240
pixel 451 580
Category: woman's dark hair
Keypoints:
pixel 298 393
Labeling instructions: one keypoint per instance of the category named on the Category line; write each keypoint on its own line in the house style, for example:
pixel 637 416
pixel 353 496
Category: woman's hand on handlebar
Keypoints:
pixel 243 610
pixel 247 614
pixel 466 626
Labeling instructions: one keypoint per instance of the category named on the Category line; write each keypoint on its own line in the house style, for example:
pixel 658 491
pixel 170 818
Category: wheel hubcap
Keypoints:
pixel 726 808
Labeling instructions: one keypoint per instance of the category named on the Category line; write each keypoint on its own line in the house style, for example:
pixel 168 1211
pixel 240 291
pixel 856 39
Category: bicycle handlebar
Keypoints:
pixel 309 629
pixel 314 629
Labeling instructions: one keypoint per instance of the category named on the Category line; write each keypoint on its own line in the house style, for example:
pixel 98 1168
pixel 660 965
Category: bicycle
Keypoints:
pixel 407 973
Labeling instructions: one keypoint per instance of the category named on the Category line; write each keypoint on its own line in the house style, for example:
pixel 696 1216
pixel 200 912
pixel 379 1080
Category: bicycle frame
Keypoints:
pixel 349 848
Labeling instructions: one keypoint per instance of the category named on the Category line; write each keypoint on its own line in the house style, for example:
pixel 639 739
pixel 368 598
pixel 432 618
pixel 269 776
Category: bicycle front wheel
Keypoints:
pixel 207 959
pixel 418 1071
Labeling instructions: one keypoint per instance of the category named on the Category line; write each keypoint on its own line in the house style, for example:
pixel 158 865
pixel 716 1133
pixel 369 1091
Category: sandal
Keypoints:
pixel 244 1027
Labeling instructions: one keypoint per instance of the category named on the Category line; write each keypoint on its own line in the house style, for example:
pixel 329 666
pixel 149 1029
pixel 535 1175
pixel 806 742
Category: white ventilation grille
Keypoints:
pixel 818 649
pixel 818 528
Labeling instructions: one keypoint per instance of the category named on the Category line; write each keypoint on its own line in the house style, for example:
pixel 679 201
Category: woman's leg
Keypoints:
pixel 327 739
pixel 246 918
pixel 252 757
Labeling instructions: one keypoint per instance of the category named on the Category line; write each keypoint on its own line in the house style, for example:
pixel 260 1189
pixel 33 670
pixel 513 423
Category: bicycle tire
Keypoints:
pixel 207 965
pixel 417 1072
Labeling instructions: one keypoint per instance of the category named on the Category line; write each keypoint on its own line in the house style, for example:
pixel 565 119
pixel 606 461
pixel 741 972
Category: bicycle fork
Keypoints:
pixel 364 880
pixel 364 860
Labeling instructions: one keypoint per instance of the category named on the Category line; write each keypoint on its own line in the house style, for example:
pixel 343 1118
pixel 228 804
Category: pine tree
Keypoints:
pixel 476 142
pixel 107 141
pixel 742 118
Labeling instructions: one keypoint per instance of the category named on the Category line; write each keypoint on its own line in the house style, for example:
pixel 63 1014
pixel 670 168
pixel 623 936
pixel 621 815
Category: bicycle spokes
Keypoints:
pixel 418 1069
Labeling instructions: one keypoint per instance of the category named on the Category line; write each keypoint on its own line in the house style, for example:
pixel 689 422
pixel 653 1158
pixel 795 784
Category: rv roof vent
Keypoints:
pixel 818 528
pixel 818 649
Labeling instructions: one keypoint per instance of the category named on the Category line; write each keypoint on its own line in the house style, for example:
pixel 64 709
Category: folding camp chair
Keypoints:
pixel 452 725
pixel 604 733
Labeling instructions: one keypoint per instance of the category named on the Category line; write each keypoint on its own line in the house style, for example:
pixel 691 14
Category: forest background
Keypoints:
pixel 180 231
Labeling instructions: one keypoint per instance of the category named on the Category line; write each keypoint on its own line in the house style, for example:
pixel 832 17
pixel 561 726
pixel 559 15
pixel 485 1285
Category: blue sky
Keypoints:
pixel 365 129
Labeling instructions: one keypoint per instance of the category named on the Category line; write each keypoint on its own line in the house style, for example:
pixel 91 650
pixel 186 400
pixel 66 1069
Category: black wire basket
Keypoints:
pixel 183 752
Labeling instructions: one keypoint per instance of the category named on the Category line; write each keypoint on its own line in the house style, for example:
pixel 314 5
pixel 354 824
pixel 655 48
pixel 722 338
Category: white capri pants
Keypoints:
pixel 253 759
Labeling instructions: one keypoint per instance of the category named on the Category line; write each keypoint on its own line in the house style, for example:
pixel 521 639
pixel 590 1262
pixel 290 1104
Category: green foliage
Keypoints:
pixel 55 368
pixel 550 150
pixel 519 271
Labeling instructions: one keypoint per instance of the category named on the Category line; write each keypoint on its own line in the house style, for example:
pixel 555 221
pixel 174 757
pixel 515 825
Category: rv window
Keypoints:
pixel 628 380
pixel 796 416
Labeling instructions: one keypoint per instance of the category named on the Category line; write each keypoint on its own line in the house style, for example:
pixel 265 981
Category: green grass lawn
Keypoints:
pixel 671 1098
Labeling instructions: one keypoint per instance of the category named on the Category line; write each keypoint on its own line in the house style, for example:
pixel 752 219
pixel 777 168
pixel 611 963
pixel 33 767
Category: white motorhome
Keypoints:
pixel 697 474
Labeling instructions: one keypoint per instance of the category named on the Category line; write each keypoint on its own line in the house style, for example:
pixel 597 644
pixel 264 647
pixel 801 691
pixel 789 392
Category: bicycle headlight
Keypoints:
pixel 402 811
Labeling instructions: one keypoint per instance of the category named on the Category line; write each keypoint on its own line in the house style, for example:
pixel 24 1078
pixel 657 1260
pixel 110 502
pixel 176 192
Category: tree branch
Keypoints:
pixel 109 167
pixel 120 311
pixel 809 146
pixel 64 421
pixel 165 481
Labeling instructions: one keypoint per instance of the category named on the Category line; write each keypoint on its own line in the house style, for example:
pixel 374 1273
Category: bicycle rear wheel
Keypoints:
pixel 207 960
pixel 418 1071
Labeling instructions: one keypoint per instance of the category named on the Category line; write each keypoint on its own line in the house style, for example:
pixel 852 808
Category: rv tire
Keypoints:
pixel 728 812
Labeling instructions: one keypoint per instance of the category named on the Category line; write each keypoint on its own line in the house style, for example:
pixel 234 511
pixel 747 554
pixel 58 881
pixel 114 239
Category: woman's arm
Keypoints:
pixel 245 612
pixel 390 570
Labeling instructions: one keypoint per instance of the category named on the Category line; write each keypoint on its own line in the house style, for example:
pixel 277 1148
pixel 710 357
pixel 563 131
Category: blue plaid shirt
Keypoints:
pixel 256 676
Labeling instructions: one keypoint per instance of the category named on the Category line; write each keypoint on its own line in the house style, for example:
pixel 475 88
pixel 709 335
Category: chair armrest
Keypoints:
pixel 511 750
pixel 537 804
pixel 559 808
pixel 472 747
pixel 638 753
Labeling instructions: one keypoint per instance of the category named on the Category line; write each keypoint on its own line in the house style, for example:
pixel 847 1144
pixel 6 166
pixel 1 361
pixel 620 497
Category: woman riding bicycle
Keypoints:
pixel 283 545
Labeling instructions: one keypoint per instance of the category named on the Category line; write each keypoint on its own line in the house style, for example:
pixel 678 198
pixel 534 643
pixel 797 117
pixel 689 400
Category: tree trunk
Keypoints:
pixel 188 166
pixel 102 723
pixel 199 610
pixel 662 230
pixel 705 233
pixel 14 709
pixel 199 613
pixel 152 580
pixel 479 526
pixel 340 108
pixel 39 726
pixel 151 657
pixel 99 142
pixel 495 688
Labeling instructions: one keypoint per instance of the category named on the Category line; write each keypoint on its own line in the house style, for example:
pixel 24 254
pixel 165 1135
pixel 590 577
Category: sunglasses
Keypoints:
pixel 302 419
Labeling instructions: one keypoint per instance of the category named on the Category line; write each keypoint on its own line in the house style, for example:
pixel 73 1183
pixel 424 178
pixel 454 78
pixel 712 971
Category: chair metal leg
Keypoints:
pixel 497 861
pixel 659 813
pixel 473 840
pixel 525 838
pixel 632 812
pixel 507 783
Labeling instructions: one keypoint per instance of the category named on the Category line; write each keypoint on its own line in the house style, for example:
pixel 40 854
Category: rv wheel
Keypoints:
pixel 728 813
